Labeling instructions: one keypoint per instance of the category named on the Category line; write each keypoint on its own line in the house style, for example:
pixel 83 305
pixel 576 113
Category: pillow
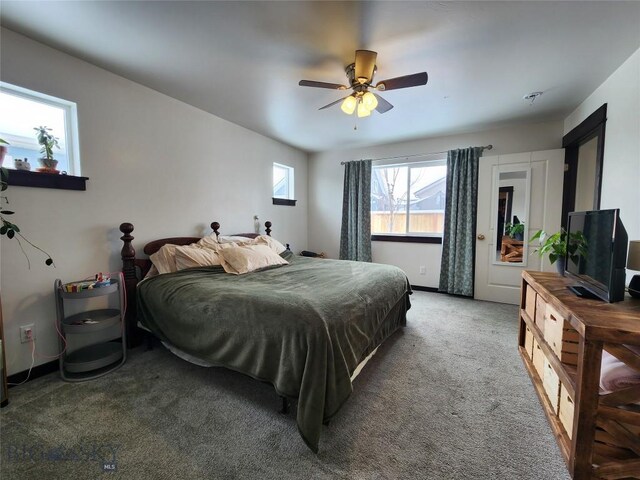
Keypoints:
pixel 245 259
pixel 153 271
pixel 216 247
pixel 233 239
pixel 210 241
pixel 275 245
pixel 164 259
pixel 195 256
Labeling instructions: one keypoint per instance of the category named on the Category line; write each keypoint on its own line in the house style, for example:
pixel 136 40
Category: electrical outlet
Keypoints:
pixel 423 270
pixel 27 333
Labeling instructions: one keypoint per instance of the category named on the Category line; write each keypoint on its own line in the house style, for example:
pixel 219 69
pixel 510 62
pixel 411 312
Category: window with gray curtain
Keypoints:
pixel 355 235
pixel 461 204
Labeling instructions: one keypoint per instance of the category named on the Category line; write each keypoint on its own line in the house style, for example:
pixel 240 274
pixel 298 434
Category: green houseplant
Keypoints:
pixel 514 230
pixel 10 229
pixel 558 249
pixel 47 141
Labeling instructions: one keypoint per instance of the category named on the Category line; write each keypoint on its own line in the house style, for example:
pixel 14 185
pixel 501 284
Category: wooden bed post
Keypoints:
pixel 128 255
pixel 215 226
pixel 267 229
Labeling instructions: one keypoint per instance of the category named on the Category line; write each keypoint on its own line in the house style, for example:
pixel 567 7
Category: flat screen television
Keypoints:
pixel 597 254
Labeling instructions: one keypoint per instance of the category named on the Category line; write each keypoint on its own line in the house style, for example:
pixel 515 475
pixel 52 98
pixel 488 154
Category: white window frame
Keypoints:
pixel 290 181
pixel 410 165
pixel 70 121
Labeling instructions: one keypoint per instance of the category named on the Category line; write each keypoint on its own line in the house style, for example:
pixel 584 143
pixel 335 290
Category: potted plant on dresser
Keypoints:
pixel 47 141
pixel 559 249
pixel 515 231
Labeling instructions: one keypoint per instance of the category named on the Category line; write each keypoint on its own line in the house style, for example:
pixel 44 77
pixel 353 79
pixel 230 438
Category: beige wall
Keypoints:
pixel 325 190
pixel 621 163
pixel 167 167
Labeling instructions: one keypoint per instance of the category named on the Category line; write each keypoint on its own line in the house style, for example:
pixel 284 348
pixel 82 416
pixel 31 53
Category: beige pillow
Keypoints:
pixel 234 239
pixel 275 245
pixel 153 271
pixel 216 247
pixel 164 259
pixel 194 256
pixel 245 259
pixel 210 241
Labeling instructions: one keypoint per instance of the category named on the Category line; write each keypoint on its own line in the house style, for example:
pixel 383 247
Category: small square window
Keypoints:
pixel 283 182
pixel 23 110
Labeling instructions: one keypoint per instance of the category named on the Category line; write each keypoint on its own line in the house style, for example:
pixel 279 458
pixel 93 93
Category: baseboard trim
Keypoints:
pixel 36 372
pixel 424 289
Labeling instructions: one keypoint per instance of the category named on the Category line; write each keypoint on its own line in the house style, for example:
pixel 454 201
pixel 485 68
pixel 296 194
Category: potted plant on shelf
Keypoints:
pixel 47 141
pixel 559 249
pixel 515 230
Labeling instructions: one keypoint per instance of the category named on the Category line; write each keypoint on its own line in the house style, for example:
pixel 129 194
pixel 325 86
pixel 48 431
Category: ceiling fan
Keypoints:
pixel 360 75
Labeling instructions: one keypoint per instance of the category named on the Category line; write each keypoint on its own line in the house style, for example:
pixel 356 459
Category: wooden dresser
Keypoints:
pixel 561 341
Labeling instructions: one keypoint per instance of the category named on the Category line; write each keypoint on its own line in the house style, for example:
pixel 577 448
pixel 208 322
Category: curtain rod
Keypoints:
pixel 486 147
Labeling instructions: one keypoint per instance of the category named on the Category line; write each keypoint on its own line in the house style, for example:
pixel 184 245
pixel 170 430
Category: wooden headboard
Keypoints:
pixel 134 269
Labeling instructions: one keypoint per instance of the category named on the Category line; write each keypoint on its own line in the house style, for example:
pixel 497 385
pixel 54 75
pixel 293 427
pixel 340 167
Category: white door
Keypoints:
pixel 527 188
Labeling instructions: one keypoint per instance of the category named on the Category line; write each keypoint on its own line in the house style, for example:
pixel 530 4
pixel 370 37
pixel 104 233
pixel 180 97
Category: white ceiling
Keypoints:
pixel 242 60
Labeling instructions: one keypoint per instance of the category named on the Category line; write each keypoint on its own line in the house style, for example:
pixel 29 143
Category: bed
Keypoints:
pixel 304 327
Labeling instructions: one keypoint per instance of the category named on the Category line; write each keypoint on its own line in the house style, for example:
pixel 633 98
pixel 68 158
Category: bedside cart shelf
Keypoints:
pixel 93 357
pixel 91 321
pixel 94 292
pixel 107 351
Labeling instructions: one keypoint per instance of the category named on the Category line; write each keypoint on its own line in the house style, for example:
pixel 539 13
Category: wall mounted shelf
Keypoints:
pixel 25 178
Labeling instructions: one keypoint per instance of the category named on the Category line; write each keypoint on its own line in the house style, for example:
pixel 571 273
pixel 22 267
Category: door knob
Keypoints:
pixel 481 237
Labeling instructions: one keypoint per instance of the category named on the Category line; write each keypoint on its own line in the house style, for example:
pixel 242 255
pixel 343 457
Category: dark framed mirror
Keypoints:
pixel 584 152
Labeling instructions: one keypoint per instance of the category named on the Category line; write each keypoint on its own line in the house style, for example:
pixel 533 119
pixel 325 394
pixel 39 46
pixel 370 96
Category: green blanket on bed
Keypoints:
pixel 304 327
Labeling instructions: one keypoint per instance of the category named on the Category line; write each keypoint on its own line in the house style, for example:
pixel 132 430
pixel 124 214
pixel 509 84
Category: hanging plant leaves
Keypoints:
pixel 11 230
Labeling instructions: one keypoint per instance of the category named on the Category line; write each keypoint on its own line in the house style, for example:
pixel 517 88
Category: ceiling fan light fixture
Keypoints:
pixel 364 66
pixel 363 111
pixel 349 105
pixel 360 75
pixel 370 101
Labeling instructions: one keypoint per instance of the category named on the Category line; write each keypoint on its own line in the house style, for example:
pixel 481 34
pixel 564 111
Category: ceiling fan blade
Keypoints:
pixel 311 83
pixel 383 105
pixel 333 103
pixel 403 82
pixel 365 65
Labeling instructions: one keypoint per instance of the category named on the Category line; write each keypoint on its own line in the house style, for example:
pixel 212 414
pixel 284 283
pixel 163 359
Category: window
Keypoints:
pixel 23 110
pixel 283 188
pixel 408 200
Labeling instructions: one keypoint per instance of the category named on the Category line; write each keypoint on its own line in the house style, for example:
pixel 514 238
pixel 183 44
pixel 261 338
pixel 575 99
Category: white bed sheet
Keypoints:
pixel 196 361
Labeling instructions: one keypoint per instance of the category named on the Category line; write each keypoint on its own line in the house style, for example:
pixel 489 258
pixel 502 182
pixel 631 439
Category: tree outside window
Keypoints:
pixel 408 199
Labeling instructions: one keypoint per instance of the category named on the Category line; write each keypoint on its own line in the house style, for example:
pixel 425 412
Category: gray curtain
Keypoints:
pixel 459 239
pixel 355 237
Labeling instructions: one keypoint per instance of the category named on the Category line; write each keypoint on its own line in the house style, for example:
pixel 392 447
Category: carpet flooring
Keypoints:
pixel 445 398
